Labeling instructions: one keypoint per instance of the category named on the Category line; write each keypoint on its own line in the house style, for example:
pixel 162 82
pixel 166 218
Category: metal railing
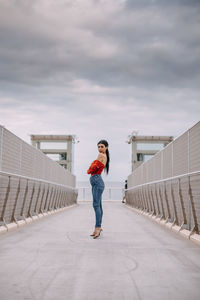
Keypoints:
pixel 110 193
pixel 168 184
pixel 22 197
pixel 175 199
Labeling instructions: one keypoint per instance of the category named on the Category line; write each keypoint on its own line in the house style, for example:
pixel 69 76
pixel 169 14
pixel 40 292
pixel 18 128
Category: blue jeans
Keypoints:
pixel 98 186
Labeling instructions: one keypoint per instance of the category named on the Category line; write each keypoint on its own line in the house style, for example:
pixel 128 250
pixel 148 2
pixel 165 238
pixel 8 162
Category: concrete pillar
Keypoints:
pixel 69 156
pixel 38 145
pixel 134 154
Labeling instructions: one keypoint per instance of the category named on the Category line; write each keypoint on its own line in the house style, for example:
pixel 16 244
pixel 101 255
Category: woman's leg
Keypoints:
pixel 97 192
pixel 97 195
pixel 101 209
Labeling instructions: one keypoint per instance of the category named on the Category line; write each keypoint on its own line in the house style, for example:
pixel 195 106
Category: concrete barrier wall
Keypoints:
pixel 168 185
pixel 31 184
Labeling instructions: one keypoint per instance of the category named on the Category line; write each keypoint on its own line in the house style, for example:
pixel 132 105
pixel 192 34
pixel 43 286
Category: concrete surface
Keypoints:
pixel 134 258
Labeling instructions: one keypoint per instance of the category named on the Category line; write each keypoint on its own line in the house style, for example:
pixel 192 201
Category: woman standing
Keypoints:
pixel 97 183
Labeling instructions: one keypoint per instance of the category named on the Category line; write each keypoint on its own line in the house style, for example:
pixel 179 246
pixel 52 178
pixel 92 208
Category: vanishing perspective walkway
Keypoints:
pixel 134 258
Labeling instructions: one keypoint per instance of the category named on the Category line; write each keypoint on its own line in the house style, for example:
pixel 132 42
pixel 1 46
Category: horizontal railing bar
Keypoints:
pixel 163 180
pixel 36 179
pixel 106 187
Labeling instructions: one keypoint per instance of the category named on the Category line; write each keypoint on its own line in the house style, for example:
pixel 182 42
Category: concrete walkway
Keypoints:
pixel 56 259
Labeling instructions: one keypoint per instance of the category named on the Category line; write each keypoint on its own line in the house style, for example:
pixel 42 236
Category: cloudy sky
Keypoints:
pixel 99 69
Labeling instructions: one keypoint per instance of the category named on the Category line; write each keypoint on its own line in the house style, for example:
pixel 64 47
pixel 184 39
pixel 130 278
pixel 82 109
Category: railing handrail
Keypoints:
pixel 37 179
pixel 162 180
pixel 106 187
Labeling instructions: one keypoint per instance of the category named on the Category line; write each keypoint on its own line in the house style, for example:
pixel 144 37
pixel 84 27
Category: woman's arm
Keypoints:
pixel 95 165
pixel 93 168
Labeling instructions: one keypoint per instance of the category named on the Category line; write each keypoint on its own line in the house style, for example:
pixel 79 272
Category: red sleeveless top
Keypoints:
pixel 96 167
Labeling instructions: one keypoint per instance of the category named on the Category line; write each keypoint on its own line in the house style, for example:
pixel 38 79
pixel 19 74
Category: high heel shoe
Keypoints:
pixel 93 234
pixel 97 233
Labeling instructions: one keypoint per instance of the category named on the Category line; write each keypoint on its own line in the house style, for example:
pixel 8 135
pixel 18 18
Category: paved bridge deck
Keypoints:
pixel 55 258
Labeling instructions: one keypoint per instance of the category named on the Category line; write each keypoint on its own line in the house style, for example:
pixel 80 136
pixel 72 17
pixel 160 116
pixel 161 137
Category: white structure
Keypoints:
pixel 61 147
pixel 138 154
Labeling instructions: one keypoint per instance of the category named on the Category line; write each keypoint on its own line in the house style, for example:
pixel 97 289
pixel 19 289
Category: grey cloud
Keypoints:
pixel 147 3
pixel 142 56
pixel 154 46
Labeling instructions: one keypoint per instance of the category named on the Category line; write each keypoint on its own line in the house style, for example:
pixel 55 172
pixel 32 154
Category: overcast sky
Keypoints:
pixel 99 69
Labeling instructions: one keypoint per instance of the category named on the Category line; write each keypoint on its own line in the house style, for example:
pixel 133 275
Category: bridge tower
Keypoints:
pixel 144 147
pixel 61 148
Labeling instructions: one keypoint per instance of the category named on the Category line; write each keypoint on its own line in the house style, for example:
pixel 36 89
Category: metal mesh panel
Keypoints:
pixel 27 160
pixel 167 161
pixel 3 190
pixel 39 166
pixel 18 157
pixel 180 155
pixel 11 151
pixel 149 164
pixel 157 166
pixel 1 143
pixel 194 148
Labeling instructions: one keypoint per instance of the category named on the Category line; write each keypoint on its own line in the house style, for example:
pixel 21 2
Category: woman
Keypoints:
pixel 97 183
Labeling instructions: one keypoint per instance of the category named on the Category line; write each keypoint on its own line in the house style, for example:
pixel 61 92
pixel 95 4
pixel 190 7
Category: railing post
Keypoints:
pixel 147 199
pixel 43 193
pixel 37 199
pixel 31 200
pixel 167 202
pixel 15 202
pixel 5 201
pixel 58 199
pixel 46 197
pixel 161 201
pixel 181 203
pixel 54 198
pixel 158 206
pixel 24 200
pixel 174 204
pixel 192 209
pixel 50 199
